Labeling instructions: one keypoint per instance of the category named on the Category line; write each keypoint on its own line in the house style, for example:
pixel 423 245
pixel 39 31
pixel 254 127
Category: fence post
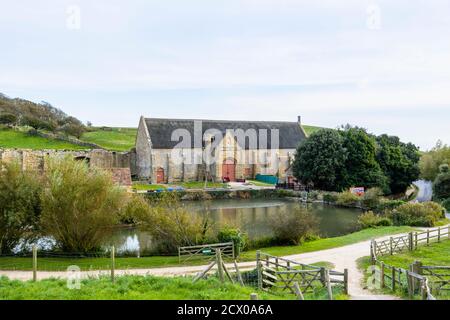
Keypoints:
pixel 391 245
pixel 254 297
pixel 346 281
pixel 328 281
pixel 439 234
pixel 416 240
pixel 393 279
pixel 382 275
pixel 428 237
pixel 372 252
pixel 34 263
pixel 298 291
pixel 113 264
pixel 323 276
pixel 258 268
pixel 411 241
pixel 219 264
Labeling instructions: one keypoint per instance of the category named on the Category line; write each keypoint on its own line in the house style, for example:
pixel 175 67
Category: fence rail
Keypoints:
pixel 275 273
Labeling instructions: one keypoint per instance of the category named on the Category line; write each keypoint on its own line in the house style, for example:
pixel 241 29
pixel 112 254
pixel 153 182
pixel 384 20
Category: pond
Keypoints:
pixel 251 216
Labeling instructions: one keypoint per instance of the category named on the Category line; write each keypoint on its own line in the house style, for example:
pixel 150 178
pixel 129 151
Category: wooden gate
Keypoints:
pixel 229 169
pixel 160 178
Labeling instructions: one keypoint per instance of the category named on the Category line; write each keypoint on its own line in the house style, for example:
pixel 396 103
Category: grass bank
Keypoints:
pixel 21 140
pixel 115 139
pixel 131 288
pixel 61 264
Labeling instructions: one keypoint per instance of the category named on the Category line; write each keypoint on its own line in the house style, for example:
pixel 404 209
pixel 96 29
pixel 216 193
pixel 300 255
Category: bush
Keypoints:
pixel 388 205
pixel 80 205
pixel 313 195
pixel 8 118
pixel 172 226
pixel 239 238
pixel 348 199
pixel 330 197
pixel 19 206
pixel 135 207
pixel 441 186
pixel 294 227
pixel 372 198
pixel 446 204
pixel 372 220
pixel 418 214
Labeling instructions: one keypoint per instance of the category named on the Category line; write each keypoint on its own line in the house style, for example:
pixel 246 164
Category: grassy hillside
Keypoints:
pixel 116 139
pixel 18 139
pixel 311 129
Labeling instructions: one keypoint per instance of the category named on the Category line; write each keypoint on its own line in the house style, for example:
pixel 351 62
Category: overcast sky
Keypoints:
pixel 383 65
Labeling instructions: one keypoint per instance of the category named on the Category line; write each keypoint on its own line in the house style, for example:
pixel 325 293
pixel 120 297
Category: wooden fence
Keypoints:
pixel 279 274
pixel 410 242
pixel 425 281
pixel 207 252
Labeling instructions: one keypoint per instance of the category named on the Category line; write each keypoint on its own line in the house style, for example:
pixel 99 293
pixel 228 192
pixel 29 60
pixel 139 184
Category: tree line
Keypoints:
pixel 335 160
pixel 39 116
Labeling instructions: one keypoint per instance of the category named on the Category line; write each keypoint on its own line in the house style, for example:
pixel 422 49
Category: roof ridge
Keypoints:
pixel 212 120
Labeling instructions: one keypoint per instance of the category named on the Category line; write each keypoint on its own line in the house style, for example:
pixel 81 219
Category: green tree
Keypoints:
pixel 320 160
pixel 80 205
pixel 399 161
pixel 19 206
pixel 430 161
pixel 441 186
pixel 8 118
pixel 361 166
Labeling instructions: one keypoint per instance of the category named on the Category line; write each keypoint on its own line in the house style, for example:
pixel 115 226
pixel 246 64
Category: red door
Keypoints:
pixel 160 176
pixel 229 170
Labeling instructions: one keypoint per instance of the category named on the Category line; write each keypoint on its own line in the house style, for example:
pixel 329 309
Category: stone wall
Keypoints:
pixel 35 160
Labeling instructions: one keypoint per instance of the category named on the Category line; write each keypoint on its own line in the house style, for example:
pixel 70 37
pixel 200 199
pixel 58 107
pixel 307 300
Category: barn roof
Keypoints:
pixel 160 130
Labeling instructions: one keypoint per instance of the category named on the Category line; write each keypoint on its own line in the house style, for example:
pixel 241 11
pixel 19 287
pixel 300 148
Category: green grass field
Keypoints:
pixel 61 264
pixel 20 140
pixel 131 288
pixel 115 139
pixel 260 184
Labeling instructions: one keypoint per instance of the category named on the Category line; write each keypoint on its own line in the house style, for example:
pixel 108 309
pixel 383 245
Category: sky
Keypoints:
pixel 382 65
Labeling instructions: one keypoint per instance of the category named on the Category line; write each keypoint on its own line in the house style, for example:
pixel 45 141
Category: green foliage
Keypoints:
pixel 330 197
pixel 361 166
pixel 372 198
pixel 239 238
pixel 80 205
pixel 8 118
pixel 294 227
pixel 441 186
pixel 320 160
pixel 432 160
pixel 372 220
pixel 19 206
pixel 399 161
pixel 348 199
pixel 387 205
pixel 446 204
pixel 425 214
pixel 171 225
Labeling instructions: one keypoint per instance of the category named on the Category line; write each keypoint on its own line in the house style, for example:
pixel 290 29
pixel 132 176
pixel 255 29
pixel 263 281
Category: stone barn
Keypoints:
pixel 179 150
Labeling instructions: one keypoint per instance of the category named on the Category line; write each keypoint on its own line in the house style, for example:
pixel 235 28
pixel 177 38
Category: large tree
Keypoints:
pixel 399 161
pixel 321 160
pixel 441 186
pixel 361 166
pixel 19 206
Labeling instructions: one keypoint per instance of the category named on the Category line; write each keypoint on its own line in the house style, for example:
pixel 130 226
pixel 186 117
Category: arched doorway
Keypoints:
pixel 160 178
pixel 229 169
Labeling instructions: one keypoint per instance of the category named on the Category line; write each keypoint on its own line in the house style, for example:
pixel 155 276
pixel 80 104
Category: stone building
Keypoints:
pixel 178 150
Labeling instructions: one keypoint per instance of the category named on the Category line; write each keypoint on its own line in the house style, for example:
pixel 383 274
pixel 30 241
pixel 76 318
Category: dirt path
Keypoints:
pixel 342 258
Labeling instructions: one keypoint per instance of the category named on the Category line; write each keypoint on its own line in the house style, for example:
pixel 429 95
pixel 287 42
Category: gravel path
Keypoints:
pixel 342 258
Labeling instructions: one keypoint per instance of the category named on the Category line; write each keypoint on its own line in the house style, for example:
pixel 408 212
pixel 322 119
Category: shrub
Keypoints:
pixel 417 214
pixel 135 207
pixel 330 197
pixel 239 238
pixel 19 206
pixel 372 220
pixel 348 199
pixel 294 227
pixel 8 118
pixel 313 195
pixel 372 198
pixel 441 186
pixel 388 205
pixel 80 205
pixel 446 204
pixel 171 225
